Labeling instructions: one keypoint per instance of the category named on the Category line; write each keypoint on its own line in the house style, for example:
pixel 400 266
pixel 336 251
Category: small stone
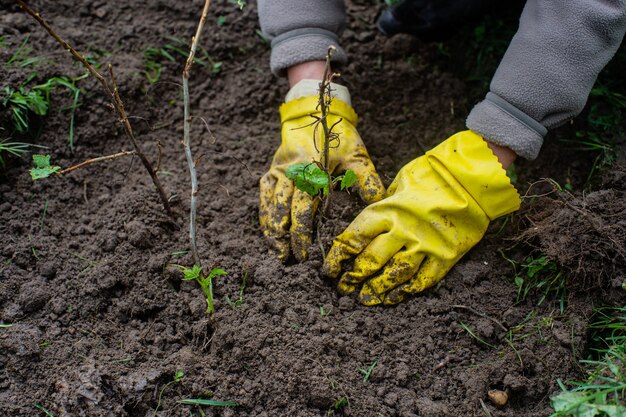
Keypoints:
pixel 497 397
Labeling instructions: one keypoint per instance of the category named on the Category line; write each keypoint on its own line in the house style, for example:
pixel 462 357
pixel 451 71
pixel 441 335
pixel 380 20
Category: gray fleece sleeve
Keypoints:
pixel 302 30
pixel 548 70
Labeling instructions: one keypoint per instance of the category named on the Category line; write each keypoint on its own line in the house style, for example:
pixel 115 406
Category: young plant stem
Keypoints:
pixel 325 99
pixel 113 94
pixel 94 160
pixel 186 136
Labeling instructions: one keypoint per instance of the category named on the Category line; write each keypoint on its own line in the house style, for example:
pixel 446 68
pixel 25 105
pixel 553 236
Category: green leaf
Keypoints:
pixel 348 179
pixel 216 68
pixel 221 20
pixel 42 169
pixel 179 376
pixel 216 272
pixel 308 177
pixel 192 274
pixel 215 403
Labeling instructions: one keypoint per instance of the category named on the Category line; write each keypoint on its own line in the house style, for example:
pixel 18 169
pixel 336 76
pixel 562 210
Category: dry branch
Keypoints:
pixel 113 94
pixel 94 160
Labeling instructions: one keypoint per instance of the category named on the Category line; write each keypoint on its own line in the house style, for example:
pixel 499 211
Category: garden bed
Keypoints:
pixel 101 323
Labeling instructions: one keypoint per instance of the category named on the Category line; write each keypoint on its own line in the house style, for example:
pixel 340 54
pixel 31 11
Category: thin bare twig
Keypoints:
pixel 478 313
pixel 186 136
pixel 94 160
pixel 112 92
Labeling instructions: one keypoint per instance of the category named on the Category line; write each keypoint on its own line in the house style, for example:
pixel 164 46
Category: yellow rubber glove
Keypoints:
pixel 437 209
pixel 286 213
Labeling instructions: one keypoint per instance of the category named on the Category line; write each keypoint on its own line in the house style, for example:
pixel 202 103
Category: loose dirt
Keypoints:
pixel 102 323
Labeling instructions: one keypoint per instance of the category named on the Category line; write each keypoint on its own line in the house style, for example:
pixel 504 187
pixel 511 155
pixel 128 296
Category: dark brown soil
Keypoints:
pixel 101 323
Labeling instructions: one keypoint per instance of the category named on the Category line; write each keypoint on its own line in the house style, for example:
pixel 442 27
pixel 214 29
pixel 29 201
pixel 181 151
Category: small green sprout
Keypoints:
pixel 324 312
pixel 221 20
pixel 216 68
pixel 312 179
pixel 240 3
pixel 206 282
pixel 42 169
pixel 5 326
pixel 178 377
pixel 239 301
pixel 368 372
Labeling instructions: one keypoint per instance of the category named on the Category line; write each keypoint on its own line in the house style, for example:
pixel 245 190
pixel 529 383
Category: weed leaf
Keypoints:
pixel 42 169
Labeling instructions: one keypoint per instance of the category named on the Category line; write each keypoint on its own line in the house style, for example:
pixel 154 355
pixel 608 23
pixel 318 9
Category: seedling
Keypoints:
pixel 240 3
pixel 239 301
pixel 178 377
pixel 312 179
pixel 324 312
pixel 5 326
pixel 368 372
pixel 205 281
pixel 315 178
pixel 340 404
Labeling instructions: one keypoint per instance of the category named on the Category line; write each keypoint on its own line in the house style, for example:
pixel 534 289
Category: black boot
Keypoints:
pixel 434 20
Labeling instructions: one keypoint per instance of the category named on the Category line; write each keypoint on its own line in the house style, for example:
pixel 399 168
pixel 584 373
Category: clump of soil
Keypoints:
pixel 585 234
pixel 101 322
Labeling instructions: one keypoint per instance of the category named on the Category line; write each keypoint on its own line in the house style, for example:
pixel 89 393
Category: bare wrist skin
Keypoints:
pixel 313 70
pixel 505 155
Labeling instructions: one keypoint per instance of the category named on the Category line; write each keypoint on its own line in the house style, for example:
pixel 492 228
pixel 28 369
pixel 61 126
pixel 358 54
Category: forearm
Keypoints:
pixel 548 70
pixel 302 30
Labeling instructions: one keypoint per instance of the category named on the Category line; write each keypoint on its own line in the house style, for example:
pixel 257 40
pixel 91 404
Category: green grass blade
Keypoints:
pixel 214 403
pixel 42 408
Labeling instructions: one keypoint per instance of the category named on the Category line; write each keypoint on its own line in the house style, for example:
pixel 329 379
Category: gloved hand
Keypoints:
pixel 437 208
pixel 286 213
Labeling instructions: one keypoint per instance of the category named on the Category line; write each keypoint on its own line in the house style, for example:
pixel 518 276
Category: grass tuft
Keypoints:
pixel 603 392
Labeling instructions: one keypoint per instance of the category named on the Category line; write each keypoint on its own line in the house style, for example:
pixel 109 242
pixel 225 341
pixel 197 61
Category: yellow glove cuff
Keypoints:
pixel 306 106
pixel 470 161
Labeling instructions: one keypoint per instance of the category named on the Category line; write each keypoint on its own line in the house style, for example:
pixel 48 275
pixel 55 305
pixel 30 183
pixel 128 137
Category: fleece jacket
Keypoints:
pixel 543 80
